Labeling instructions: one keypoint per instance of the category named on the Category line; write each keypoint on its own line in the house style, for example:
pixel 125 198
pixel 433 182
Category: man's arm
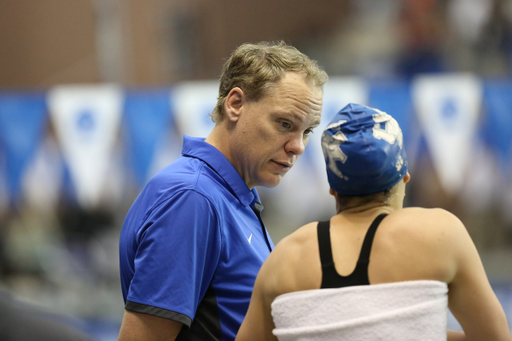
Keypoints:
pixel 177 253
pixel 136 326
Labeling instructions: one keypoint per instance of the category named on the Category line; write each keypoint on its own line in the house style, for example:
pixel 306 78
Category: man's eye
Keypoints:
pixel 308 132
pixel 285 125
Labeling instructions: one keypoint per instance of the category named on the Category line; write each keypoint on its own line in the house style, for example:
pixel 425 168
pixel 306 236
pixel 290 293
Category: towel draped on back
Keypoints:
pixel 405 311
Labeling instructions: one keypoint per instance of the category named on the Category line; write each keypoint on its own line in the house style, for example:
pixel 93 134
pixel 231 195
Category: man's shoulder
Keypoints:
pixel 186 173
pixel 185 179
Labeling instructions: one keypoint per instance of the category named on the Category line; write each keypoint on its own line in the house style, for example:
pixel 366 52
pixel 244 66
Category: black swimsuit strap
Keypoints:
pixel 324 243
pixel 330 277
pixel 364 256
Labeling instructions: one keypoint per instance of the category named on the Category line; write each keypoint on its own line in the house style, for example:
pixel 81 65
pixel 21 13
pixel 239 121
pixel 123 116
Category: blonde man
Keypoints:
pixel 193 241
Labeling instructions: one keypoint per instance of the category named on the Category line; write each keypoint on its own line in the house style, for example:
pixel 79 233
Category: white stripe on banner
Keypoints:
pixel 193 103
pixel 86 119
pixel 448 107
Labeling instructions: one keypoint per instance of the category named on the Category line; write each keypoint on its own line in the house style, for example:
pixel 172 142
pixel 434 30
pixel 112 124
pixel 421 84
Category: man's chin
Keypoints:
pixel 271 182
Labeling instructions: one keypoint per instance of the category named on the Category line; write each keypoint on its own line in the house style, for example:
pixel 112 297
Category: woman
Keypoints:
pixel 376 270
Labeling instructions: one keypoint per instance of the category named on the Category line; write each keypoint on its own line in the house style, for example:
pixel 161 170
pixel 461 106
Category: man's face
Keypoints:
pixel 272 132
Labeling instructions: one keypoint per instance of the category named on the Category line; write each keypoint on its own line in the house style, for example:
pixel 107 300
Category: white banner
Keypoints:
pixel 42 184
pixel 193 102
pixel 86 119
pixel 338 92
pixel 448 108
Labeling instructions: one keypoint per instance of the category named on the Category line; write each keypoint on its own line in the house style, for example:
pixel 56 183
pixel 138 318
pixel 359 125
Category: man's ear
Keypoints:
pixel 233 104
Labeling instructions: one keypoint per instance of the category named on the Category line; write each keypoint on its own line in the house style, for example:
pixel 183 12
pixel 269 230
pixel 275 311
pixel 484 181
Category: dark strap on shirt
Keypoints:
pixel 330 277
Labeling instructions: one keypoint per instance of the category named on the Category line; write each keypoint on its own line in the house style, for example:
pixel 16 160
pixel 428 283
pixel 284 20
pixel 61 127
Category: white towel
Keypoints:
pixel 400 311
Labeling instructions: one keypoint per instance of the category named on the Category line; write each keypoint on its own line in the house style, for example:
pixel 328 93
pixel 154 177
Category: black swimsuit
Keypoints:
pixel 330 277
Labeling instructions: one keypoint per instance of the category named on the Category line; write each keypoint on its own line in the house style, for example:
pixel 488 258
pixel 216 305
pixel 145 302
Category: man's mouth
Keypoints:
pixel 284 165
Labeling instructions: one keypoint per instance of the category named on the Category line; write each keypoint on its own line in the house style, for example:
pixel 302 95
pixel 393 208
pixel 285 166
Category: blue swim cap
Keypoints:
pixel 363 150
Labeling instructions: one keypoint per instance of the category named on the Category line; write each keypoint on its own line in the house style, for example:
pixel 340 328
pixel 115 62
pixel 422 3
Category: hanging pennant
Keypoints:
pixel 86 120
pixel 448 107
pixel 22 124
pixel 193 104
pixel 147 115
pixel 338 92
pixel 43 179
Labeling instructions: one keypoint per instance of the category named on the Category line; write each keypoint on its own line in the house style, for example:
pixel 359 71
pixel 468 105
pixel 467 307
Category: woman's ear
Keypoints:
pixel 233 104
pixel 407 177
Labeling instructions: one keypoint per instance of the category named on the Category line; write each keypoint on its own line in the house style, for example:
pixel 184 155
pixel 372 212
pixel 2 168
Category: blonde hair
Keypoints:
pixel 255 68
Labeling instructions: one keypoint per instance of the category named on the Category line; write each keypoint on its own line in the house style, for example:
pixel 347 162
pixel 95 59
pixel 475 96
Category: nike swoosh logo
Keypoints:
pixel 249 239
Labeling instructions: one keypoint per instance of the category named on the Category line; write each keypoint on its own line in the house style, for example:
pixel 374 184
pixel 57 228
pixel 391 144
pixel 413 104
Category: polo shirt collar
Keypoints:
pixel 198 148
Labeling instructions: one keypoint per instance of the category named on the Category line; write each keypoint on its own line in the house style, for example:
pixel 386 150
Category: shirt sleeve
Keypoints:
pixel 178 252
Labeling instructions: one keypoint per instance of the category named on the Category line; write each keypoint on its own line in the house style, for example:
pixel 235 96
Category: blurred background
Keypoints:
pixel 96 95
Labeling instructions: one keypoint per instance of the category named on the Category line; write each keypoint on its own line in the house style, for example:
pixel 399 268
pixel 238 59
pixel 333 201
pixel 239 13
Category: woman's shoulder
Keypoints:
pixel 419 243
pixel 291 248
pixel 425 221
pixel 295 261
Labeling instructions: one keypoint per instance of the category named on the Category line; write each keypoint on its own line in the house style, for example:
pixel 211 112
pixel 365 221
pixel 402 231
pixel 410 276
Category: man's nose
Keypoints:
pixel 296 145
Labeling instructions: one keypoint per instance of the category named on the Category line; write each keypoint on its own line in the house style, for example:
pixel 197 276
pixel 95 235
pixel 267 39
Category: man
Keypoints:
pixel 375 270
pixel 193 241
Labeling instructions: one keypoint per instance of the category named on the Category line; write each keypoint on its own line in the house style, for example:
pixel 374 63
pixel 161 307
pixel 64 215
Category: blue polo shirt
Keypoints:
pixel 191 245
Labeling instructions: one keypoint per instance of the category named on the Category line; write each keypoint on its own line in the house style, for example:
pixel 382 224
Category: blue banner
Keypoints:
pixel 147 115
pixel 496 126
pixel 22 124
pixel 394 98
